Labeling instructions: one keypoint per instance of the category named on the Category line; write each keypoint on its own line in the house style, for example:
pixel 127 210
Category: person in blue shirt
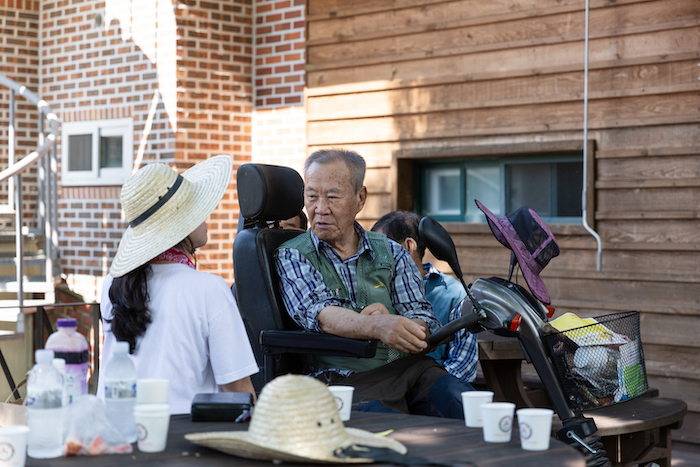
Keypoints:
pixel 459 357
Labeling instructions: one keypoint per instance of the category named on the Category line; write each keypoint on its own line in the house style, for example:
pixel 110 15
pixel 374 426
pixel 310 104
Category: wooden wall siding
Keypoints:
pixel 664 46
pixel 631 81
pixel 403 80
pixel 524 118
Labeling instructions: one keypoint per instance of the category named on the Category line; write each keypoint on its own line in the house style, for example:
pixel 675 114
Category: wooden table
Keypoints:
pixel 633 432
pixel 435 438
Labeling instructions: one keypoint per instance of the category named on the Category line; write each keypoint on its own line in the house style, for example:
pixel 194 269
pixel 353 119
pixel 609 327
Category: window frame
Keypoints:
pixel 406 161
pixel 123 127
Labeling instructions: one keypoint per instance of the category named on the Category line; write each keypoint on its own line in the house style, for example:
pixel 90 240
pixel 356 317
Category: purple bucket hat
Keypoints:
pixel 534 245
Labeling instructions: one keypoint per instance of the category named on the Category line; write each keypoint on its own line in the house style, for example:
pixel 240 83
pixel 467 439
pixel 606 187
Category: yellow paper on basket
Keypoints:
pixel 586 331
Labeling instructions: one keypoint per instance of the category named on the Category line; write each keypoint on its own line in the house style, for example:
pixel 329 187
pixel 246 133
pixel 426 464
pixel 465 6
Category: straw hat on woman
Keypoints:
pixel 181 324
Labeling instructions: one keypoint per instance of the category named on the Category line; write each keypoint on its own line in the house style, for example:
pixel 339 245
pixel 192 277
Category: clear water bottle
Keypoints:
pixel 60 365
pixel 45 408
pixel 120 391
pixel 71 346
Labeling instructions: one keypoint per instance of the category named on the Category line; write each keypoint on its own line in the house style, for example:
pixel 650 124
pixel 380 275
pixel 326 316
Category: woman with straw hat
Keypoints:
pixel 181 324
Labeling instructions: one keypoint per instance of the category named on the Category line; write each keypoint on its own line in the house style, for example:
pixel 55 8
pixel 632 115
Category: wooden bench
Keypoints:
pixel 633 432
pixel 637 431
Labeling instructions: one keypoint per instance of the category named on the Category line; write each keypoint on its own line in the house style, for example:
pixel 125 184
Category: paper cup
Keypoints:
pixel 152 421
pixel 152 391
pixel 471 401
pixel 13 445
pixel 535 427
pixel 498 421
pixel 343 399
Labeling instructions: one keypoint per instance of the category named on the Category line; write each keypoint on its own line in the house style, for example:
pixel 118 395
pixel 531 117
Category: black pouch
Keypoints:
pixel 222 407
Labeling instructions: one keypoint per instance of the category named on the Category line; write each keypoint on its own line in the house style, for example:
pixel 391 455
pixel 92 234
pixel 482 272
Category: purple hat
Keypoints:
pixel 530 239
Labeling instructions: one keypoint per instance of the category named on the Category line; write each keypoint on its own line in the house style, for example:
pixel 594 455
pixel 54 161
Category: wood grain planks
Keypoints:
pixel 604 113
pixel 441 39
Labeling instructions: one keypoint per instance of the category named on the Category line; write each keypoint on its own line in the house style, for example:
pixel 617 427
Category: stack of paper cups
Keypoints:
pixel 152 414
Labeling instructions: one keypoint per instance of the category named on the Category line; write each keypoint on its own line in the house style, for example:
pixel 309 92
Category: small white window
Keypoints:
pixel 97 152
pixel 444 188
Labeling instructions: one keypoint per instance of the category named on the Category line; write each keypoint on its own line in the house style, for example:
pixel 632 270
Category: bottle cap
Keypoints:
pixel 66 323
pixel 43 356
pixel 121 347
pixel 59 364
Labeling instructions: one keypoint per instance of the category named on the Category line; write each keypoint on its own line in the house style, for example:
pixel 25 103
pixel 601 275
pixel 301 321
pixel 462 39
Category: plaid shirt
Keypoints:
pixel 462 354
pixel 305 294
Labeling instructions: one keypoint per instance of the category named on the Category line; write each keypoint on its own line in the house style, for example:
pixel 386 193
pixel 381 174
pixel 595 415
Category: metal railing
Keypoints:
pixel 47 179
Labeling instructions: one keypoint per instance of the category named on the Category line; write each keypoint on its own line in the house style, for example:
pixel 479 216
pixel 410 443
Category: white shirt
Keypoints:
pixel 196 338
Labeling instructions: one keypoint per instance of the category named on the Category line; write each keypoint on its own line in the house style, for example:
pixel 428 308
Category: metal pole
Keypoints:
pixel 39 331
pixel 19 245
pixel 19 239
pixel 41 174
pixel 584 194
pixel 11 151
pixel 54 206
pixel 48 241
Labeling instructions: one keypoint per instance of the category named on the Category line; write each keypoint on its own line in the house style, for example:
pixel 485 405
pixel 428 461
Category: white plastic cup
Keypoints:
pixel 498 421
pixel 535 427
pixel 152 391
pixel 13 445
pixel 471 401
pixel 343 399
pixel 152 422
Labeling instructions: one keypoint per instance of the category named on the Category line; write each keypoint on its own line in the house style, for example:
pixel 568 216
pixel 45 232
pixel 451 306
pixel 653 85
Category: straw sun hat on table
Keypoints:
pixel 295 420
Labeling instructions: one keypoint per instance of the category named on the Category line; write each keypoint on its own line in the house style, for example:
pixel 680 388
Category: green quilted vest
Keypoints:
pixel 374 279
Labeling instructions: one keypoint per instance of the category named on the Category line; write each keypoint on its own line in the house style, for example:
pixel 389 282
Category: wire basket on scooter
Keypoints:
pixel 600 364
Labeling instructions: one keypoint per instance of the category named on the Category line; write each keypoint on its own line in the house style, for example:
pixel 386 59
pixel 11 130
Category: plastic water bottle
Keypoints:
pixel 120 391
pixel 60 365
pixel 71 346
pixel 45 408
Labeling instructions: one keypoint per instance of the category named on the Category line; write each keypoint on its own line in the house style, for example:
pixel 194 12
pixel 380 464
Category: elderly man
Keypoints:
pixel 338 278
pixel 459 357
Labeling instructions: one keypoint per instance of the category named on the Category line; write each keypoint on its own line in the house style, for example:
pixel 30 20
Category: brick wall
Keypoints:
pixel 19 61
pixel 93 70
pixel 280 61
pixel 187 84
pixel 183 71
pixel 91 225
pixel 215 92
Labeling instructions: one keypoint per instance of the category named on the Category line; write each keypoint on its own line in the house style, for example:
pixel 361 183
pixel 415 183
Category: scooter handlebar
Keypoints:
pixel 447 332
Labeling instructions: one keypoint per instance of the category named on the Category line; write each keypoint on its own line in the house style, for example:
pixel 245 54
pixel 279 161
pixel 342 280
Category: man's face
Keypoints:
pixel 331 201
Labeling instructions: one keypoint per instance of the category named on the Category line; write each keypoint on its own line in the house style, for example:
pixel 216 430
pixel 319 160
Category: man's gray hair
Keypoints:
pixel 354 161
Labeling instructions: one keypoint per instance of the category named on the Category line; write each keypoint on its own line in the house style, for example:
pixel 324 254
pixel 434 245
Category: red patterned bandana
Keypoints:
pixel 174 255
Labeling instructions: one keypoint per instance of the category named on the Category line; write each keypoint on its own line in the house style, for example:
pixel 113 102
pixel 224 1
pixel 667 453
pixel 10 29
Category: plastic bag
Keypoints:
pixel 88 431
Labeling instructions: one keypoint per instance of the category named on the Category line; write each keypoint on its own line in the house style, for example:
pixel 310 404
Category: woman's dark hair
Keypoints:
pixel 129 297
pixel 130 313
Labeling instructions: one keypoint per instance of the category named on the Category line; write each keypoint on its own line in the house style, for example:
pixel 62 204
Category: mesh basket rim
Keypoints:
pixel 602 319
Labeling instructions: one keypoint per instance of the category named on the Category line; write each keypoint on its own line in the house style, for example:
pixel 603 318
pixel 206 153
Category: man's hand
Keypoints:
pixel 400 333
pixel 375 309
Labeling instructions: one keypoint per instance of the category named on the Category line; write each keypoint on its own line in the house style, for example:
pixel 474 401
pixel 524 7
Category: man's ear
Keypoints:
pixel 411 245
pixel 363 197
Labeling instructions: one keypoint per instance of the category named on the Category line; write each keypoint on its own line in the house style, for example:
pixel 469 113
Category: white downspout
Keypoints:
pixel 584 194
